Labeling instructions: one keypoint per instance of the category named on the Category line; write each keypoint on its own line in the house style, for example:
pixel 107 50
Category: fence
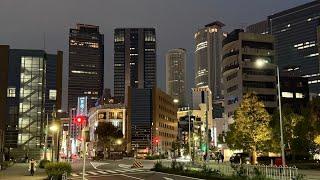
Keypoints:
pixel 272 172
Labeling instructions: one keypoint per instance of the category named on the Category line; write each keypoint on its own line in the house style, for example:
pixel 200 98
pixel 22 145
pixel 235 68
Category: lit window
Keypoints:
pixel 287 94
pixel 299 95
pixel 11 92
pixel 53 94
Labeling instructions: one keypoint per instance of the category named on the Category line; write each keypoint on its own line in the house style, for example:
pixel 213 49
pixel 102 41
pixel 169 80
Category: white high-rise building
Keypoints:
pixel 176 74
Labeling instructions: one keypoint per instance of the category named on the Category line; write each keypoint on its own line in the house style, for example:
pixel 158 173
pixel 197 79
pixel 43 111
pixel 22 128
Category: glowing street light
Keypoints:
pixel 119 141
pixel 54 128
pixel 176 101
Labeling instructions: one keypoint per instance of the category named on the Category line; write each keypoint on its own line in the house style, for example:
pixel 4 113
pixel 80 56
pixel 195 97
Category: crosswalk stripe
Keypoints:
pixel 102 172
pixel 74 174
pixel 84 174
pixel 110 171
pixel 93 173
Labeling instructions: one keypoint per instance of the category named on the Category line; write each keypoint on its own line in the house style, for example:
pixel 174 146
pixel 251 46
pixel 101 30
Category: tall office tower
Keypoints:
pixel 296 41
pixel 34 87
pixel 86 64
pixel 134 60
pixel 240 71
pixel 295 31
pixel 208 57
pixel 176 74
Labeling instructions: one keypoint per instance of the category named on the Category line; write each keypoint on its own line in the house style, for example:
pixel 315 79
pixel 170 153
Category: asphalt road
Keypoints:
pixel 150 175
pixel 120 170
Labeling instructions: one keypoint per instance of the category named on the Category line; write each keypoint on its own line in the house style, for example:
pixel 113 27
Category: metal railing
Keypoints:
pixel 272 172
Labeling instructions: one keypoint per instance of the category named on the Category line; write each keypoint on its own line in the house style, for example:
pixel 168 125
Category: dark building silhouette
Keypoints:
pixel 134 60
pixel 86 64
pixel 294 92
pixel 32 88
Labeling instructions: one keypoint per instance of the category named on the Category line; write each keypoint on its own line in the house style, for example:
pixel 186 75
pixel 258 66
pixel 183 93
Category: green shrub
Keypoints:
pixel 43 163
pixel 6 164
pixel 57 169
pixel 158 166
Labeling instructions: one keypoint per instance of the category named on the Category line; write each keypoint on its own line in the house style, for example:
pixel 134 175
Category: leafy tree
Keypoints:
pixel 107 134
pixel 250 131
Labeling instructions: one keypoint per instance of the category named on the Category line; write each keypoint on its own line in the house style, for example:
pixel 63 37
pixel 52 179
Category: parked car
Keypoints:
pixel 238 158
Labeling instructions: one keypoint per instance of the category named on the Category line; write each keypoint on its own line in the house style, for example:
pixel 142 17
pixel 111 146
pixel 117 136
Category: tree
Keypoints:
pixel 251 130
pixel 107 134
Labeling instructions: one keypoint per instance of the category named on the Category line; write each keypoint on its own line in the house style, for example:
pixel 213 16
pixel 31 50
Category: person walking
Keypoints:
pixel 32 166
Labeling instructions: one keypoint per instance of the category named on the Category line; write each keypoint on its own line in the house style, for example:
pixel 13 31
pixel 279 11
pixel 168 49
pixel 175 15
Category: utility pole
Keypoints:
pixel 189 138
pixel 207 128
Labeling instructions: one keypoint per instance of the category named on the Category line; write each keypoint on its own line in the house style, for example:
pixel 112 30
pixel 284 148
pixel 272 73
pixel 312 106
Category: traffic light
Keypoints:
pixel 156 140
pixel 80 120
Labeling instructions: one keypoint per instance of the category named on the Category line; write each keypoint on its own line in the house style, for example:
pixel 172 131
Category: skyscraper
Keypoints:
pixel 208 57
pixel 176 74
pixel 296 41
pixel 295 31
pixel 34 87
pixel 134 60
pixel 86 64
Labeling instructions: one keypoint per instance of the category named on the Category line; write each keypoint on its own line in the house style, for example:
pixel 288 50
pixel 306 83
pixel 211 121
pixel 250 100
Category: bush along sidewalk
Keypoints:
pixel 179 169
pixel 5 164
pixel 43 163
pixel 57 169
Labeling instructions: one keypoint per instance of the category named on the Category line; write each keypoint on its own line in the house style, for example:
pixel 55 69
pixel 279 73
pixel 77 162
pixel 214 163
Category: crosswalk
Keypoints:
pixel 107 172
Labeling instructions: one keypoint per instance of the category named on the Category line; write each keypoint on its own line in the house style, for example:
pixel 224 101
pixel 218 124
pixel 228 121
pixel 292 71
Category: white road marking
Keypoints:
pixel 117 170
pixel 91 172
pixel 130 176
pixel 110 171
pixel 74 174
pixel 84 174
pixel 167 178
pixel 96 164
pixel 124 165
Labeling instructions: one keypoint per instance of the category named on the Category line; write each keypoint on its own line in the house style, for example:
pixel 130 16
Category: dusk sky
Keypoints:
pixel 24 22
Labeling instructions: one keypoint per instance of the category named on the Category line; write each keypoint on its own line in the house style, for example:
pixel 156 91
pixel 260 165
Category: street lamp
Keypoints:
pixel 259 64
pixel 55 129
pixel 119 141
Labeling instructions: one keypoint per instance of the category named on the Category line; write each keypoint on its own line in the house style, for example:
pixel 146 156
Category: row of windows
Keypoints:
pixel 232 76
pixel 266 72
pixel 164 125
pixel 165 134
pixel 161 116
pixel 232 88
pixel 258 84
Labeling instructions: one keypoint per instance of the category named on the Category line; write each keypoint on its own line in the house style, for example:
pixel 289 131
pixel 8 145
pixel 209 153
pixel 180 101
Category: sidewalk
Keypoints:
pixel 19 171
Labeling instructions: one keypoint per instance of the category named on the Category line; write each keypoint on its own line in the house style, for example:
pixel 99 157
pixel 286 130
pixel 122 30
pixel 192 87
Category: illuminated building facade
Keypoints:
pixel 134 60
pixel 208 58
pixel 176 74
pixel 34 87
pixel 86 64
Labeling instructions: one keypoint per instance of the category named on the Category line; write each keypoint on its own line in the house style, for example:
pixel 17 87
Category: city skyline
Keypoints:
pixel 55 26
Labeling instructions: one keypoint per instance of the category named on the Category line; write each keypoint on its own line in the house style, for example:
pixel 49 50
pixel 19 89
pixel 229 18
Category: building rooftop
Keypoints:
pixel 295 9
pixel 215 23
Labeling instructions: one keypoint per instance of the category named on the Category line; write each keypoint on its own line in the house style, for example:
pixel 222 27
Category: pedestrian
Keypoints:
pixel 32 166
pixel 221 157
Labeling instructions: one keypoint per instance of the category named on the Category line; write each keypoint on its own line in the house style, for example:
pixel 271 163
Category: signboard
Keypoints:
pixel 82 109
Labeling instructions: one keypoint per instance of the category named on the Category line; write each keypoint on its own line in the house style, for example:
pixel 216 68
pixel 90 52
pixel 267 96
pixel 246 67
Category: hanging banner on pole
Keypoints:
pixel 82 109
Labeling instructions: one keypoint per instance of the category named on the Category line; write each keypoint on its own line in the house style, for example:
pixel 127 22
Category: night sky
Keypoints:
pixel 24 22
